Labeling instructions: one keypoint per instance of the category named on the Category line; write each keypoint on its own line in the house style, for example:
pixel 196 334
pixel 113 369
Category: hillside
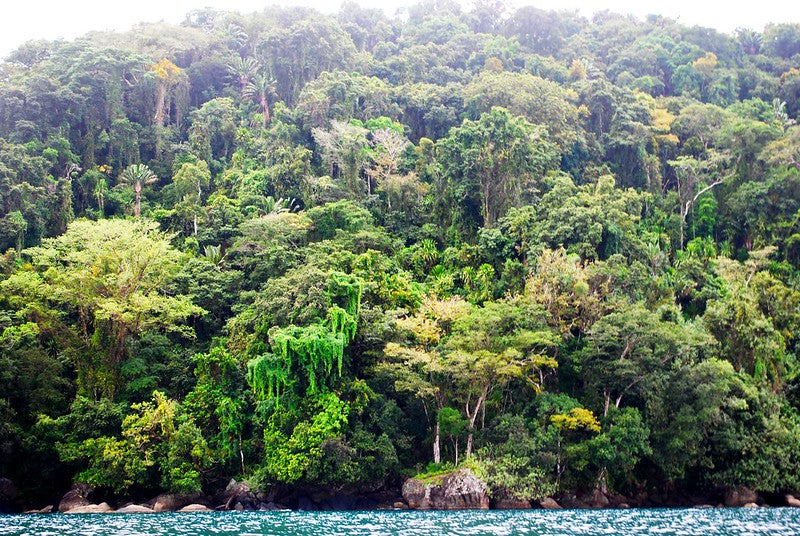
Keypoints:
pixel 331 252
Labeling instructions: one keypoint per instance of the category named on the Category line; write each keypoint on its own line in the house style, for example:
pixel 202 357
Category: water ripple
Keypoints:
pixel 666 522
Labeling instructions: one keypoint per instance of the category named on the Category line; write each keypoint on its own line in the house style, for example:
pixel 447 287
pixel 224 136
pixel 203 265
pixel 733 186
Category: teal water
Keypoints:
pixel 725 522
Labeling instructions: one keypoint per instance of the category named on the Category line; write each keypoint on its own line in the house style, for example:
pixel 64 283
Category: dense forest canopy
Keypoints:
pixel 334 250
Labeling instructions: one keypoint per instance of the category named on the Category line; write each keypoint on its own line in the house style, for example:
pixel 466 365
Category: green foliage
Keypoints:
pixel 563 252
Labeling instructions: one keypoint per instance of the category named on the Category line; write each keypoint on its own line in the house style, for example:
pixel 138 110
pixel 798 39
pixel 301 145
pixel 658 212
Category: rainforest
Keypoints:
pixel 321 254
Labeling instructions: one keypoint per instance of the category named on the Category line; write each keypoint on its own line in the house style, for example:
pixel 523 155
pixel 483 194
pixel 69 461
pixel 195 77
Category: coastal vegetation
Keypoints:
pixel 335 251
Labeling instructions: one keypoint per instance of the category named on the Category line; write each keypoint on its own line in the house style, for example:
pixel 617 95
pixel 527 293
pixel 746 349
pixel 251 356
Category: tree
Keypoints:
pixel 493 162
pixel 689 172
pixel 136 176
pixel 189 182
pixel 169 77
pixel 540 101
pixel 632 346
pixel 493 345
pixel 418 364
pixel 160 446
pixel 261 88
pixel 344 148
pixel 111 275
pixel 244 70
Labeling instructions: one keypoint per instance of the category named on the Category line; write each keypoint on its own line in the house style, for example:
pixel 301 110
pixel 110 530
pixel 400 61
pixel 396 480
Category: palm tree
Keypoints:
pixel 244 69
pixel 136 175
pixel 749 40
pixel 260 89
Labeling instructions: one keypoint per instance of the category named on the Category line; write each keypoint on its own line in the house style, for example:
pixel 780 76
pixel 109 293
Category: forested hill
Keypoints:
pixel 334 251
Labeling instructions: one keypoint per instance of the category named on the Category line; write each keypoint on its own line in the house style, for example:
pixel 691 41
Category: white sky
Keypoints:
pixel 23 20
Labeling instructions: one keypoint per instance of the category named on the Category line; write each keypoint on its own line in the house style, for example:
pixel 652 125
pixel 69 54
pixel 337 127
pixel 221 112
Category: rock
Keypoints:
pixel 46 510
pixel 599 499
pixel 237 495
pixel 134 509
pixel 416 494
pixel 459 490
pixel 750 505
pixel 75 497
pixel 171 502
pixel 793 501
pixel 509 503
pixel 400 505
pixel 615 500
pixel 102 508
pixel 8 493
pixel 704 506
pixel 195 508
pixel 740 496
pixel 339 502
pixel 306 504
pixel 623 505
pixel 271 507
pixel 548 503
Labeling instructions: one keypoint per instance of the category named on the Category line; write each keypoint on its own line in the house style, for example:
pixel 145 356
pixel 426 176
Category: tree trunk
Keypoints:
pixel 472 415
pixel 265 107
pixel 137 188
pixel 437 454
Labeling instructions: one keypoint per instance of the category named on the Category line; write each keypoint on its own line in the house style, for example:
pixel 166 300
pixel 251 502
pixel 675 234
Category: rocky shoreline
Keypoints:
pixel 458 490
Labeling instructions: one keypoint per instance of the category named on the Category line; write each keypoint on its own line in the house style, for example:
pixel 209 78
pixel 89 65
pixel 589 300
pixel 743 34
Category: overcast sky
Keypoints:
pixel 23 20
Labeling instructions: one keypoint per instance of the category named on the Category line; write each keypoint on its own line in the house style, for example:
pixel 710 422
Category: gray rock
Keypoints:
pixel 509 503
pixel 134 509
pixel 460 490
pixel 75 497
pixel 548 503
pixel 740 496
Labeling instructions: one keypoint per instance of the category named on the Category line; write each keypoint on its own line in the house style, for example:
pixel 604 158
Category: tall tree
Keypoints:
pixel 136 176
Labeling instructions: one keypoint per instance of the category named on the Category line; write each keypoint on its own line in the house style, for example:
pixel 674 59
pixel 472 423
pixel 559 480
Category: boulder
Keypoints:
pixel 134 509
pixel 46 510
pixel 170 502
pixel 238 496
pixel 750 505
pixel 195 508
pixel 740 496
pixel 8 494
pixel 459 490
pixel 548 503
pixel 75 497
pixel 599 499
pixel 400 505
pixel 416 494
pixel 510 503
pixel 102 508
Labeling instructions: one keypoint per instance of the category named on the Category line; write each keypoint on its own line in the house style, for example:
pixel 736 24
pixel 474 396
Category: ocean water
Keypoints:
pixel 743 521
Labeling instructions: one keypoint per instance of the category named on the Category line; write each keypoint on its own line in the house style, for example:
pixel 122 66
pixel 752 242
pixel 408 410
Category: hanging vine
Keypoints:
pixel 311 353
pixel 266 374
